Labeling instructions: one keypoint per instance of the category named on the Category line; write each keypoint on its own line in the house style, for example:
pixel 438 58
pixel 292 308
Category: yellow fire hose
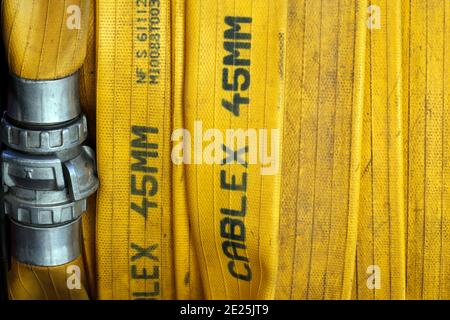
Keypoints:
pixel 233 205
pixel 41 45
pixel 44 283
pixel 141 204
pixel 188 283
pixel 426 91
pixel 381 228
pixel 345 101
pixel 322 140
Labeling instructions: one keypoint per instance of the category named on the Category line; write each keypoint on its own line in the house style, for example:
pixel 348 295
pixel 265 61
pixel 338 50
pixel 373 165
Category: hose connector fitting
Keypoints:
pixel 48 173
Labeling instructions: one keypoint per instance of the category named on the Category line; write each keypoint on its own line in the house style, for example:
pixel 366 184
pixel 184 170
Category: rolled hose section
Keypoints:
pixel 45 39
pixel 48 172
pixel 63 282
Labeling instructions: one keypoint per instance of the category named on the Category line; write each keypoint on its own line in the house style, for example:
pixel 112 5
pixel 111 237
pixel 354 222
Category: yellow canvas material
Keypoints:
pixel 141 206
pixel 65 282
pixel 322 149
pixel 427 102
pixel 45 39
pixel 188 282
pixel 381 229
pixel 235 76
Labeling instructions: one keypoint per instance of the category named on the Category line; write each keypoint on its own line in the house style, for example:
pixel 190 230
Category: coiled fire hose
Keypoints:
pixel 48 171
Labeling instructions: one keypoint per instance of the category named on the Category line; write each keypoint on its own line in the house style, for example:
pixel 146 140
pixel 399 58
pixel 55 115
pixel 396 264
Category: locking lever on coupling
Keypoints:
pixel 48 172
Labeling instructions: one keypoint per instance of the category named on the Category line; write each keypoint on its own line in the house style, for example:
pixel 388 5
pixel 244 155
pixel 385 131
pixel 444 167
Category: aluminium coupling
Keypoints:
pixel 47 171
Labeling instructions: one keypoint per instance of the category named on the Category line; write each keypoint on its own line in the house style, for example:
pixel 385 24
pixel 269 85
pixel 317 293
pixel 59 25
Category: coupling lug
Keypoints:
pixel 48 173
pixel 43 140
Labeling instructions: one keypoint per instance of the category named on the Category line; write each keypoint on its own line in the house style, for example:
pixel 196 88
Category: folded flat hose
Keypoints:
pixel 363 116
pixel 47 171
pixel 427 127
pixel 381 227
pixel 138 208
pixel 187 277
pixel 321 148
pixel 235 81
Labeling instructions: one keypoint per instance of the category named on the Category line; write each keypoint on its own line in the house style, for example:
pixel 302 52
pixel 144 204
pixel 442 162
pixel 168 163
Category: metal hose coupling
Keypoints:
pixel 48 173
